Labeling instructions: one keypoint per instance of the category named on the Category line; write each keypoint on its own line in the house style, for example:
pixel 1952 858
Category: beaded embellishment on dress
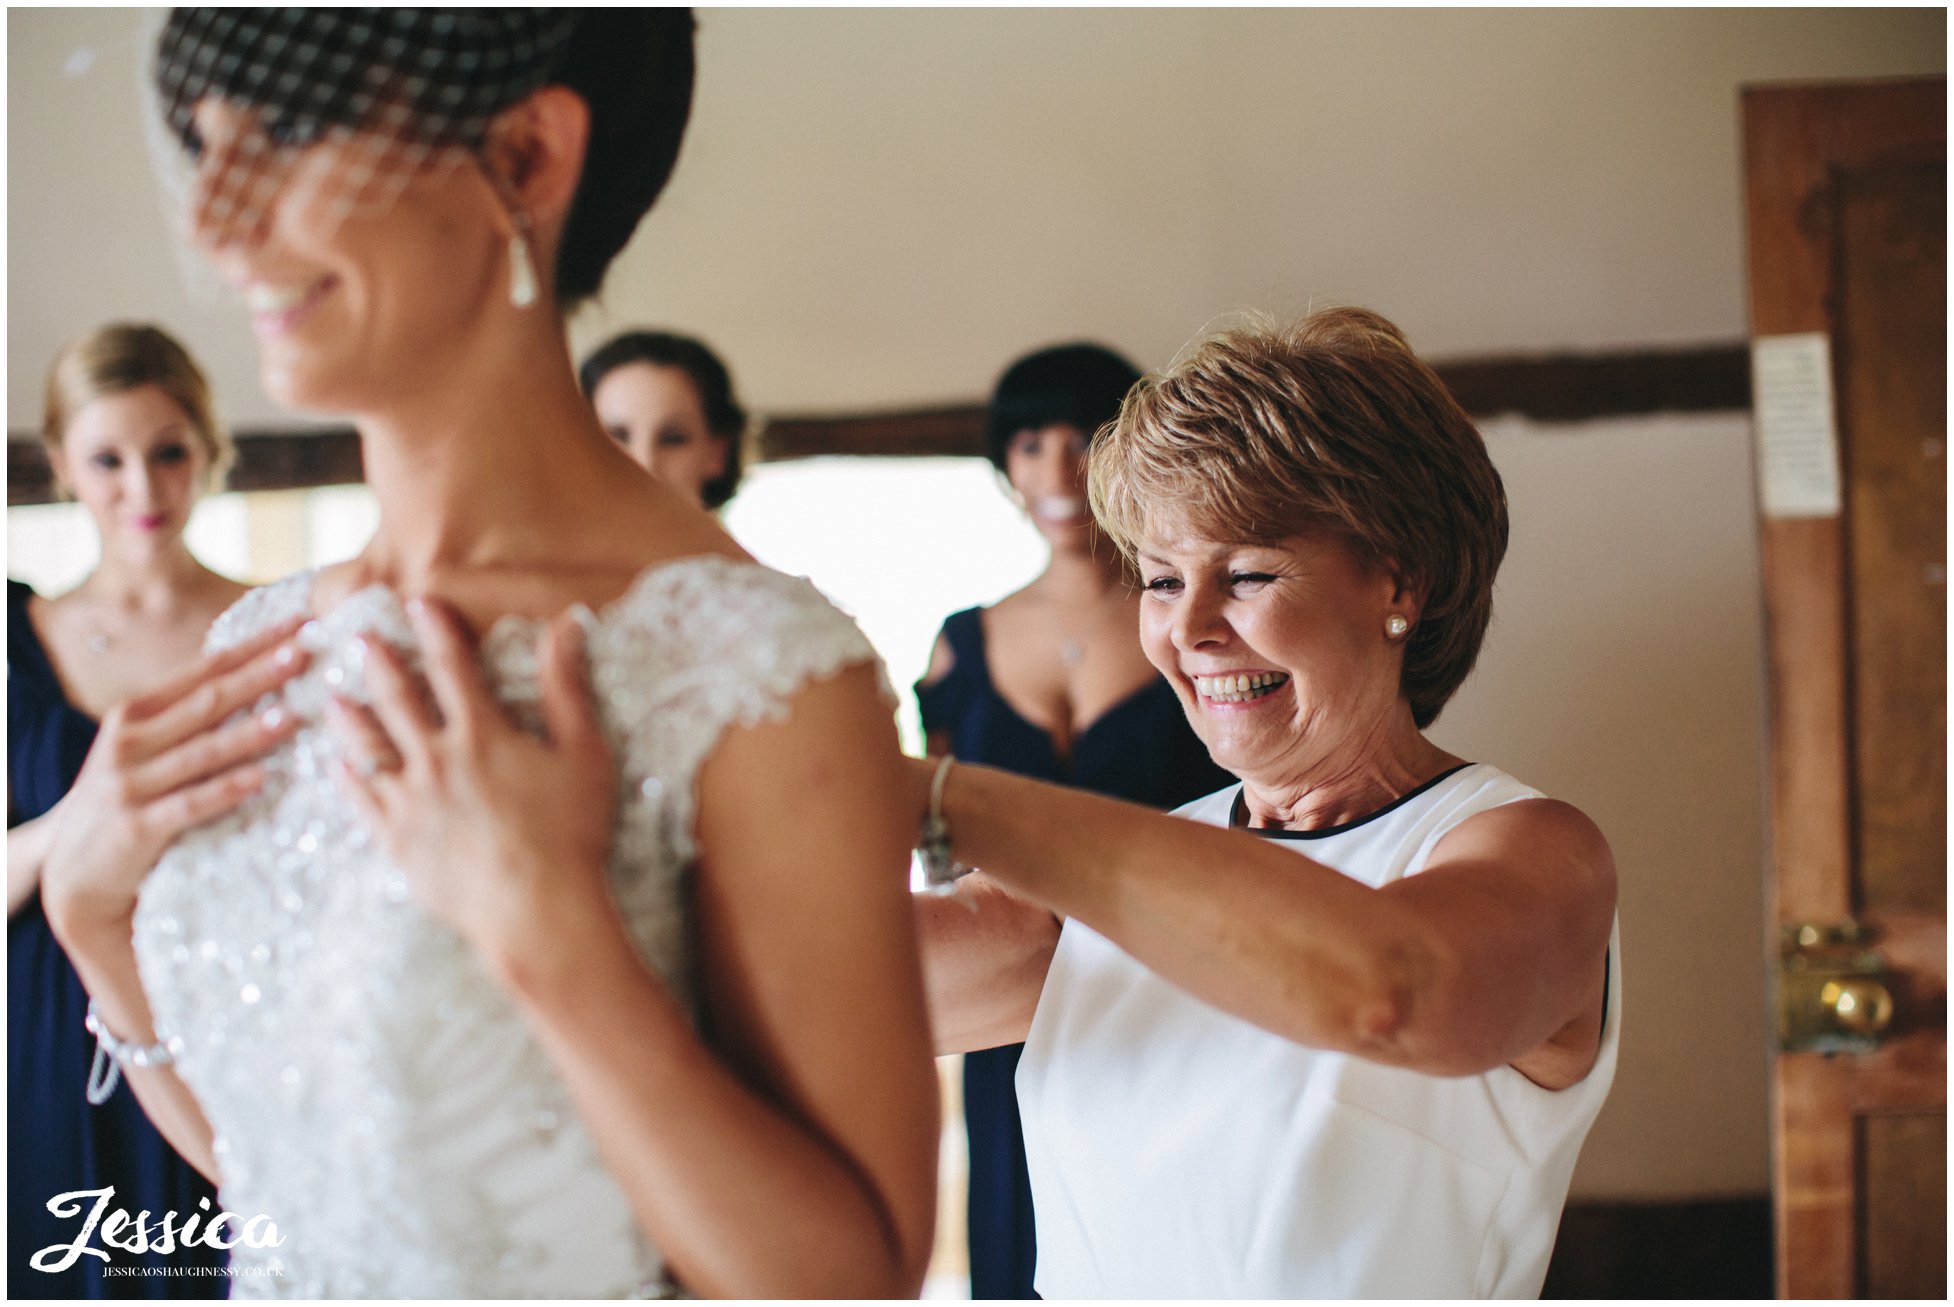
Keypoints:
pixel 371 1090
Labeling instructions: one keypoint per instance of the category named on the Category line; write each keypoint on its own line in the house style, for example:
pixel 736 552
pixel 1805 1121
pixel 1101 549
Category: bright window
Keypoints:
pixel 898 543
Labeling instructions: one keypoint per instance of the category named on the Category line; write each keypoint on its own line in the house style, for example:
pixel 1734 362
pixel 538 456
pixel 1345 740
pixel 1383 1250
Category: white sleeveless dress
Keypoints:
pixel 371 1090
pixel 1180 1152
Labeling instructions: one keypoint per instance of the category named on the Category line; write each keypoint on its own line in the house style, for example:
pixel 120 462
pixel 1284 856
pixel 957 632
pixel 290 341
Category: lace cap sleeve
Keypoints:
pixel 701 646
pixel 742 639
pixel 257 609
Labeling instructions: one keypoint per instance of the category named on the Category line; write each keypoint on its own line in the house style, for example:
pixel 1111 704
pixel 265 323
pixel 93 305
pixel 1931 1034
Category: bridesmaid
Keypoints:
pixel 130 433
pixel 668 399
pixel 1051 683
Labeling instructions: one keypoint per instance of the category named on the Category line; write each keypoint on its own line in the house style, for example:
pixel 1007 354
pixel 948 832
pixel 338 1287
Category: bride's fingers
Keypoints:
pixel 453 673
pixel 168 817
pixel 360 790
pixel 364 742
pixel 400 702
pixel 203 756
pixel 568 709
pixel 203 705
pixel 367 754
pixel 165 696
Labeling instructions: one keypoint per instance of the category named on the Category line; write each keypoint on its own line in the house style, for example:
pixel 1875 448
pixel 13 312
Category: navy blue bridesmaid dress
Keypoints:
pixel 1141 750
pixel 56 1142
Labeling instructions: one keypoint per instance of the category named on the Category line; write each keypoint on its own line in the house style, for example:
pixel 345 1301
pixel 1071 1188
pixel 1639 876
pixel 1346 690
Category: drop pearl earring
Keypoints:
pixel 522 268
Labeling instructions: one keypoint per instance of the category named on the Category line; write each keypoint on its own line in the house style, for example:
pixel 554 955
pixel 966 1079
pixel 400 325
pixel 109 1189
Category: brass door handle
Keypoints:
pixel 1832 991
pixel 1859 1004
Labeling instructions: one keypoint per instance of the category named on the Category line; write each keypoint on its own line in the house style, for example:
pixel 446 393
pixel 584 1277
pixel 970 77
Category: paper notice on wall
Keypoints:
pixel 1797 432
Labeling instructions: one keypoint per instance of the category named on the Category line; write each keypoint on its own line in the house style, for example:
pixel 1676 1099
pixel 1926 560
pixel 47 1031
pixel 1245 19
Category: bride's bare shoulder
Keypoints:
pixel 663 525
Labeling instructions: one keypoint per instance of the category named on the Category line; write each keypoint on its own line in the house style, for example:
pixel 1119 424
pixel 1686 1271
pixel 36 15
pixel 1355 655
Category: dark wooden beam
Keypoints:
pixel 950 430
pixel 1557 388
pixel 1554 388
pixel 1579 388
pixel 266 460
pixel 28 478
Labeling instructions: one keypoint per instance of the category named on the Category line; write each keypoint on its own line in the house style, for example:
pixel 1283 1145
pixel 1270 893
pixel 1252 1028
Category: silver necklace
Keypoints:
pixel 1072 647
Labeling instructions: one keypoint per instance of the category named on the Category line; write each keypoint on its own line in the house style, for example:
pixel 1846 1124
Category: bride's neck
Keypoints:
pixel 489 471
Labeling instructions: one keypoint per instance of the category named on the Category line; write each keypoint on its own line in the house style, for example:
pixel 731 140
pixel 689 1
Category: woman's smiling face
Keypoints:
pixel 657 414
pixel 357 267
pixel 1046 466
pixel 135 462
pixel 1279 652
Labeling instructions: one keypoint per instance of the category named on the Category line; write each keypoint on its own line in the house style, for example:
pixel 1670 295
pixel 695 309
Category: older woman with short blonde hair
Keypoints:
pixel 1341 1029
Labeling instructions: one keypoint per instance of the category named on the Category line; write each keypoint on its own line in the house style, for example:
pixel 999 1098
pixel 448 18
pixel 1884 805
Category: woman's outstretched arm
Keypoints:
pixel 985 955
pixel 795 1155
pixel 1493 955
pixel 985 949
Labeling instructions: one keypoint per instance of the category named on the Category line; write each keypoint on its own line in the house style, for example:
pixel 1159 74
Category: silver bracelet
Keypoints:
pixel 112 1054
pixel 940 871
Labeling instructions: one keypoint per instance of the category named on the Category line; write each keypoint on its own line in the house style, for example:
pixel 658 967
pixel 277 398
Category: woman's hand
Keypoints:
pixel 486 820
pixel 161 764
pixel 27 846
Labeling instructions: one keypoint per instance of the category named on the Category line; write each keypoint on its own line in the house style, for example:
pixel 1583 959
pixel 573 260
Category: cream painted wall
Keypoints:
pixel 1622 673
pixel 882 206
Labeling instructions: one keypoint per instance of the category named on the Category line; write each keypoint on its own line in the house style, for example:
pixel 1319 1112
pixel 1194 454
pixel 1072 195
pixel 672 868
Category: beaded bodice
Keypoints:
pixel 371 1090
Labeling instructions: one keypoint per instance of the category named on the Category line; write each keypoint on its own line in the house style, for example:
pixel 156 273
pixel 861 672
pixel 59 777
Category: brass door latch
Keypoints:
pixel 1832 992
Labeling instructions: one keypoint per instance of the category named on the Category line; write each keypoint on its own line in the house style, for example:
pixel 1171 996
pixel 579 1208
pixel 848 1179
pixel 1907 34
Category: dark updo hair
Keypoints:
pixel 709 376
pixel 1081 384
pixel 445 74
pixel 633 67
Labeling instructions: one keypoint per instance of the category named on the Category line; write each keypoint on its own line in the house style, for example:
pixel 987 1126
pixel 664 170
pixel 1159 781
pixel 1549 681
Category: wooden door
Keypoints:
pixel 1846 186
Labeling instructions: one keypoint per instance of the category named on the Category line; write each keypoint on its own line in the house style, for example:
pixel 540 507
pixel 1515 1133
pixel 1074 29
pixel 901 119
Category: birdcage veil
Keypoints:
pixel 238 98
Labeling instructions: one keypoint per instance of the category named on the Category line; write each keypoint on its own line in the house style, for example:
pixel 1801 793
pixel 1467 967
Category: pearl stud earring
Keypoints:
pixel 1396 625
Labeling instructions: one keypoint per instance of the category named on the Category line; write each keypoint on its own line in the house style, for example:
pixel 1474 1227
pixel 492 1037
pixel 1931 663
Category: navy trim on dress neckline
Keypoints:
pixel 1238 815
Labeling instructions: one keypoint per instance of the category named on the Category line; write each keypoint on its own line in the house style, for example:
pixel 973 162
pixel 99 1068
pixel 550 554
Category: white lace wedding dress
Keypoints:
pixel 371 1090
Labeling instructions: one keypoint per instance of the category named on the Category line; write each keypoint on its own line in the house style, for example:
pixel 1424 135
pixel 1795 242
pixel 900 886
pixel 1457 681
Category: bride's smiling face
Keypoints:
pixel 363 271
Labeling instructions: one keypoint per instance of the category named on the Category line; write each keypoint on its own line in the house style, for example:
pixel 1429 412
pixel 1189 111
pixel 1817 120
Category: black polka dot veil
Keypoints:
pixel 343 108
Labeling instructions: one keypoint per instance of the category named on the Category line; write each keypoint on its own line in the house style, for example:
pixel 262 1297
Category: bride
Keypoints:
pixel 696 1058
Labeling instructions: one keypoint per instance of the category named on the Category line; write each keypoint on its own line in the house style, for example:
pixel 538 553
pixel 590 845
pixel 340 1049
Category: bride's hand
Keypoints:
pixel 162 763
pixel 487 821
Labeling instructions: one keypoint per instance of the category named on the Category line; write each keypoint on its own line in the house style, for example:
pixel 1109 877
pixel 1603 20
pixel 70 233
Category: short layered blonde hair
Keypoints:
pixel 123 356
pixel 1264 433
